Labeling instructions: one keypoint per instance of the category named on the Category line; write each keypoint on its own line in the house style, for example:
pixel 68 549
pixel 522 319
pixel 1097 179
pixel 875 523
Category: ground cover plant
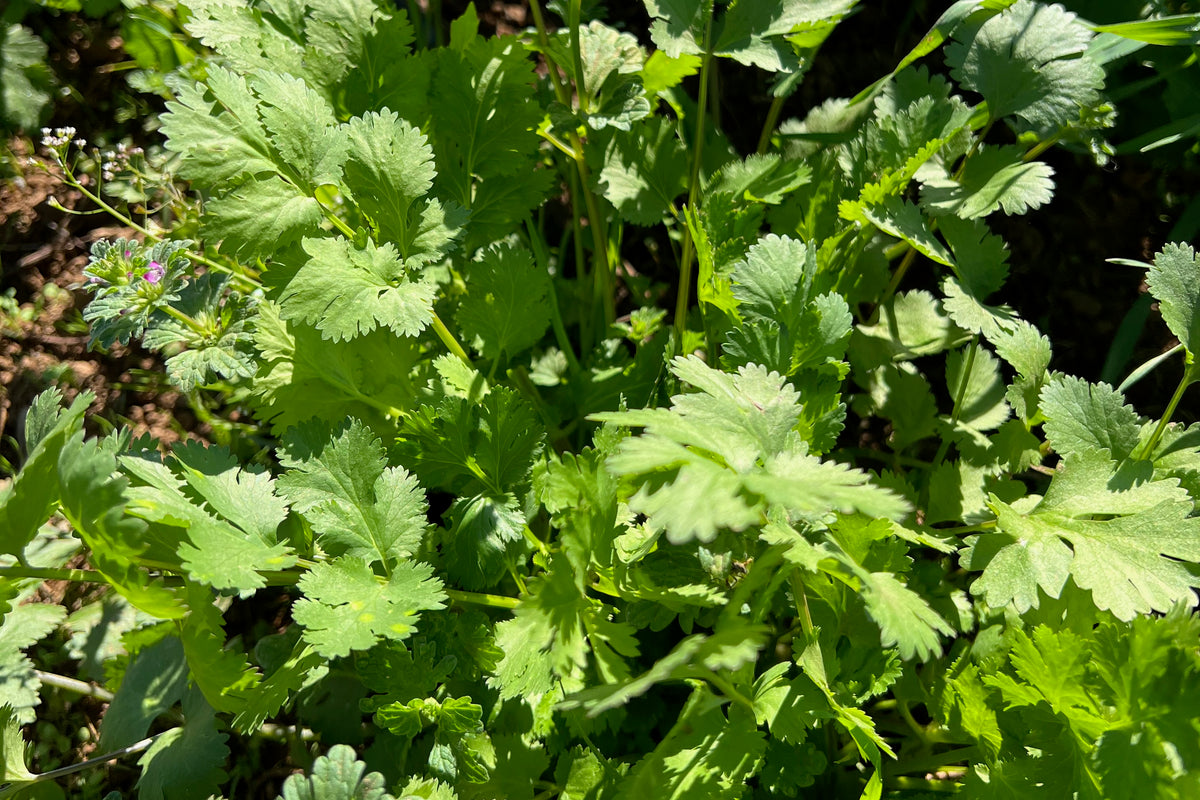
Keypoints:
pixel 553 487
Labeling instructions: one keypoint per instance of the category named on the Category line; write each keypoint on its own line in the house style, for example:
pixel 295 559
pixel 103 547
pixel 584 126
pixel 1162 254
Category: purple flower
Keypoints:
pixel 128 253
pixel 154 273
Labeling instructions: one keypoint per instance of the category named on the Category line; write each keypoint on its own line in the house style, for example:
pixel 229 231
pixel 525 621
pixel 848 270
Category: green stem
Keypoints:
pixel 600 263
pixel 537 243
pixel 448 339
pixel 73 575
pixel 478 599
pixel 176 314
pixel 71 769
pixel 764 139
pixel 956 412
pixel 897 276
pixel 964 380
pixel 1042 146
pixel 198 257
pixel 907 783
pixel 975 145
pixel 581 89
pixel 685 262
pixel 78 687
pixel 728 689
pixel 1152 443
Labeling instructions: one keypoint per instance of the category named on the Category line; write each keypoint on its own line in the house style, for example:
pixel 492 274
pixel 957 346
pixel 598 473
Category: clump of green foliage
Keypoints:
pixel 535 541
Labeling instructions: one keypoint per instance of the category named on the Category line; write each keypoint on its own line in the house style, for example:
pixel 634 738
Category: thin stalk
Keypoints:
pixel 800 598
pixel 1152 443
pixel 537 243
pixel 128 222
pixel 479 599
pixel 71 769
pixel 897 276
pixel 176 314
pixel 685 262
pixel 975 145
pixel 1042 146
pixel 573 21
pixel 43 574
pixel 582 285
pixel 600 264
pixel 764 139
pixel 907 783
pixel 448 339
pixel 75 686
pixel 956 412
pixel 728 689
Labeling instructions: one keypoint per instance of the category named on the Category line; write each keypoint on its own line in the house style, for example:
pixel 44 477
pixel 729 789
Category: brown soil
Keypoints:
pixel 44 251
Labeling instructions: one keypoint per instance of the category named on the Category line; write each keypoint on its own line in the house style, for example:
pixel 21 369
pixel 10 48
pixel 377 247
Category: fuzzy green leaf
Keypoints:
pixel 337 775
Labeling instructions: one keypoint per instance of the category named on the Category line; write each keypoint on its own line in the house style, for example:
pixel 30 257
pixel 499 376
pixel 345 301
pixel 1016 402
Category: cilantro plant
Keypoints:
pixel 536 521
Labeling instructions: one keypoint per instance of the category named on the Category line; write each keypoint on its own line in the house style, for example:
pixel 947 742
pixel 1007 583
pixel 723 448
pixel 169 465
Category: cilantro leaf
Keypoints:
pixel 982 407
pixel 155 680
pixel 641 175
pixel 1174 280
pixel 486 536
pixel 357 505
pixel 994 179
pixel 226 549
pixel 222 673
pixel 1028 62
pixel 1129 546
pixel 1083 418
pixel 902 219
pixel 612 63
pixel 505 310
pixel 303 375
pixel 719 456
pixel 389 168
pixel 705 754
pixel 488 448
pixel 346 290
pixel 24 626
pixel 347 607
pixel 694 657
